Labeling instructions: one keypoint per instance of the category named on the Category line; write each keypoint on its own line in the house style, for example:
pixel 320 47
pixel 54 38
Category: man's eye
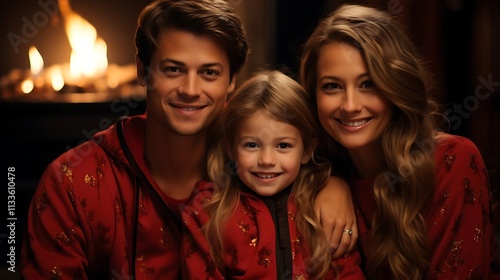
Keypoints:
pixel 171 70
pixel 211 73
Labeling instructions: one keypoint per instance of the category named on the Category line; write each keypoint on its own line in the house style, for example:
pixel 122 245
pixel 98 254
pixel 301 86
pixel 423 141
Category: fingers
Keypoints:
pixel 354 237
pixel 342 239
pixel 336 233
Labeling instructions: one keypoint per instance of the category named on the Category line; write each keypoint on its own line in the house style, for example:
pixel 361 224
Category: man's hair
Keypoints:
pixel 214 18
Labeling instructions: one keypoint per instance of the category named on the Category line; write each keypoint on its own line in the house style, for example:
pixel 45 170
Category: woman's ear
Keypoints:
pixel 308 154
pixel 141 72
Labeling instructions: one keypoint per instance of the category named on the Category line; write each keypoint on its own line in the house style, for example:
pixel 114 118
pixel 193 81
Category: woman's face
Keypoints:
pixel 350 107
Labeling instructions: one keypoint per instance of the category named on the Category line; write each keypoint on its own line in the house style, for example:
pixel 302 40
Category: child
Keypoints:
pixel 260 223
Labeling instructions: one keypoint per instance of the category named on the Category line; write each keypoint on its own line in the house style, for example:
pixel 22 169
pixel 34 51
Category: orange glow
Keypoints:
pixel 57 79
pixel 27 86
pixel 89 52
pixel 36 61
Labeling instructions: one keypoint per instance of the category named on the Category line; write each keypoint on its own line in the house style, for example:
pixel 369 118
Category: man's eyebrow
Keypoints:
pixel 180 63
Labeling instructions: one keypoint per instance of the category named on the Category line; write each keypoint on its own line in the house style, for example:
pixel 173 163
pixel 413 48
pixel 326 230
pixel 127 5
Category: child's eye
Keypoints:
pixel 250 145
pixel 284 145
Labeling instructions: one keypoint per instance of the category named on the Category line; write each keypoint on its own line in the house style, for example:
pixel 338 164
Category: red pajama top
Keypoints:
pixel 97 213
pixel 250 242
pixel 459 225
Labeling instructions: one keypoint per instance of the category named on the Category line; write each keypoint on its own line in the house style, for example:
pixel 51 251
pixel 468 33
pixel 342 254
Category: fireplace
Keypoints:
pixel 58 52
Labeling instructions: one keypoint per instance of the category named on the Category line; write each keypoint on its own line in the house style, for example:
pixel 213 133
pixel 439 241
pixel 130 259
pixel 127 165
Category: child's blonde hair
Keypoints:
pixel 286 101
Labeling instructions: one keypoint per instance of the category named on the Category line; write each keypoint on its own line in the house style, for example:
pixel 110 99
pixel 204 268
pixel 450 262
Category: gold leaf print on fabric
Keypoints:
pixel 249 210
pixel 71 195
pixel 472 163
pixel 475 274
pixel 165 237
pixel 253 241
pixel 102 234
pixel 55 274
pixel 454 259
pixel 90 180
pixel 41 203
pixel 469 197
pixel 296 247
pixel 448 159
pixel 143 268
pixel 100 167
pixel 67 172
pixel 264 259
pixel 243 227
pixel 65 238
pixel 478 235
pixel 456 255
pixel 444 207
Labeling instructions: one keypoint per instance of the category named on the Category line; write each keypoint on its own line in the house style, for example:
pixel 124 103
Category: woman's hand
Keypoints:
pixel 335 210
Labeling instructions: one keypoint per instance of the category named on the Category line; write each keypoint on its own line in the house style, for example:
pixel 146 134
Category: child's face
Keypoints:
pixel 268 153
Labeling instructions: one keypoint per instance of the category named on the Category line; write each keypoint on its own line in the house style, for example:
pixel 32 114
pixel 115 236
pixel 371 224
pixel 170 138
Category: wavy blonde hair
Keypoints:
pixel 287 102
pixel 398 239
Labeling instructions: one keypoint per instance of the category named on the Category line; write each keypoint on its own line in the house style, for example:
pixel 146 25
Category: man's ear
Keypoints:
pixel 309 152
pixel 232 84
pixel 141 72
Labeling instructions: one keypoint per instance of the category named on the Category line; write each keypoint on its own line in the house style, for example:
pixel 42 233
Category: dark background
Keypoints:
pixel 459 39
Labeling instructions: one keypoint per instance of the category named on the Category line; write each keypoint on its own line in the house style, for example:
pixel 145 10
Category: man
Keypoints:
pixel 109 207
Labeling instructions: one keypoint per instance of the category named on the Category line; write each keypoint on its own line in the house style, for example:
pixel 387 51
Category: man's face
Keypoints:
pixel 188 80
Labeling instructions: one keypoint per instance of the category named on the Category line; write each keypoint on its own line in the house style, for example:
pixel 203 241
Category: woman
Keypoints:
pixel 423 198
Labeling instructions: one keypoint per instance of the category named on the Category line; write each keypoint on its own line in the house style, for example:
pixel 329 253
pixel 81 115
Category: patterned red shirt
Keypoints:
pixel 250 244
pixel 97 213
pixel 459 225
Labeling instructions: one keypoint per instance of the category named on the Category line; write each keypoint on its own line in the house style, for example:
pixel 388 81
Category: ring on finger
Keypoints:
pixel 349 231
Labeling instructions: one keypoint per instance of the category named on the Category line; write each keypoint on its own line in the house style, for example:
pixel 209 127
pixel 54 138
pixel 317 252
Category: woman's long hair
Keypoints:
pixel 397 241
pixel 286 101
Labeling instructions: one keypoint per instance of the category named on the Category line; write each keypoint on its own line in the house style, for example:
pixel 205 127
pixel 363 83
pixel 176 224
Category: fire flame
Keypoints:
pixel 89 52
pixel 57 78
pixel 36 61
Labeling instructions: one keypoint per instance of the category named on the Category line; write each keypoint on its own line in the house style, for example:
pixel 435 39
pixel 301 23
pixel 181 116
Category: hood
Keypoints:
pixel 124 141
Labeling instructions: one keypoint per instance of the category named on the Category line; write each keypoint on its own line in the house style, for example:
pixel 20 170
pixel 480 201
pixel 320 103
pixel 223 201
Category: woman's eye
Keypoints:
pixel 367 84
pixel 331 86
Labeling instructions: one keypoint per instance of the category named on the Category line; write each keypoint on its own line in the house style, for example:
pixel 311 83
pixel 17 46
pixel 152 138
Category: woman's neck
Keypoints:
pixel 368 161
